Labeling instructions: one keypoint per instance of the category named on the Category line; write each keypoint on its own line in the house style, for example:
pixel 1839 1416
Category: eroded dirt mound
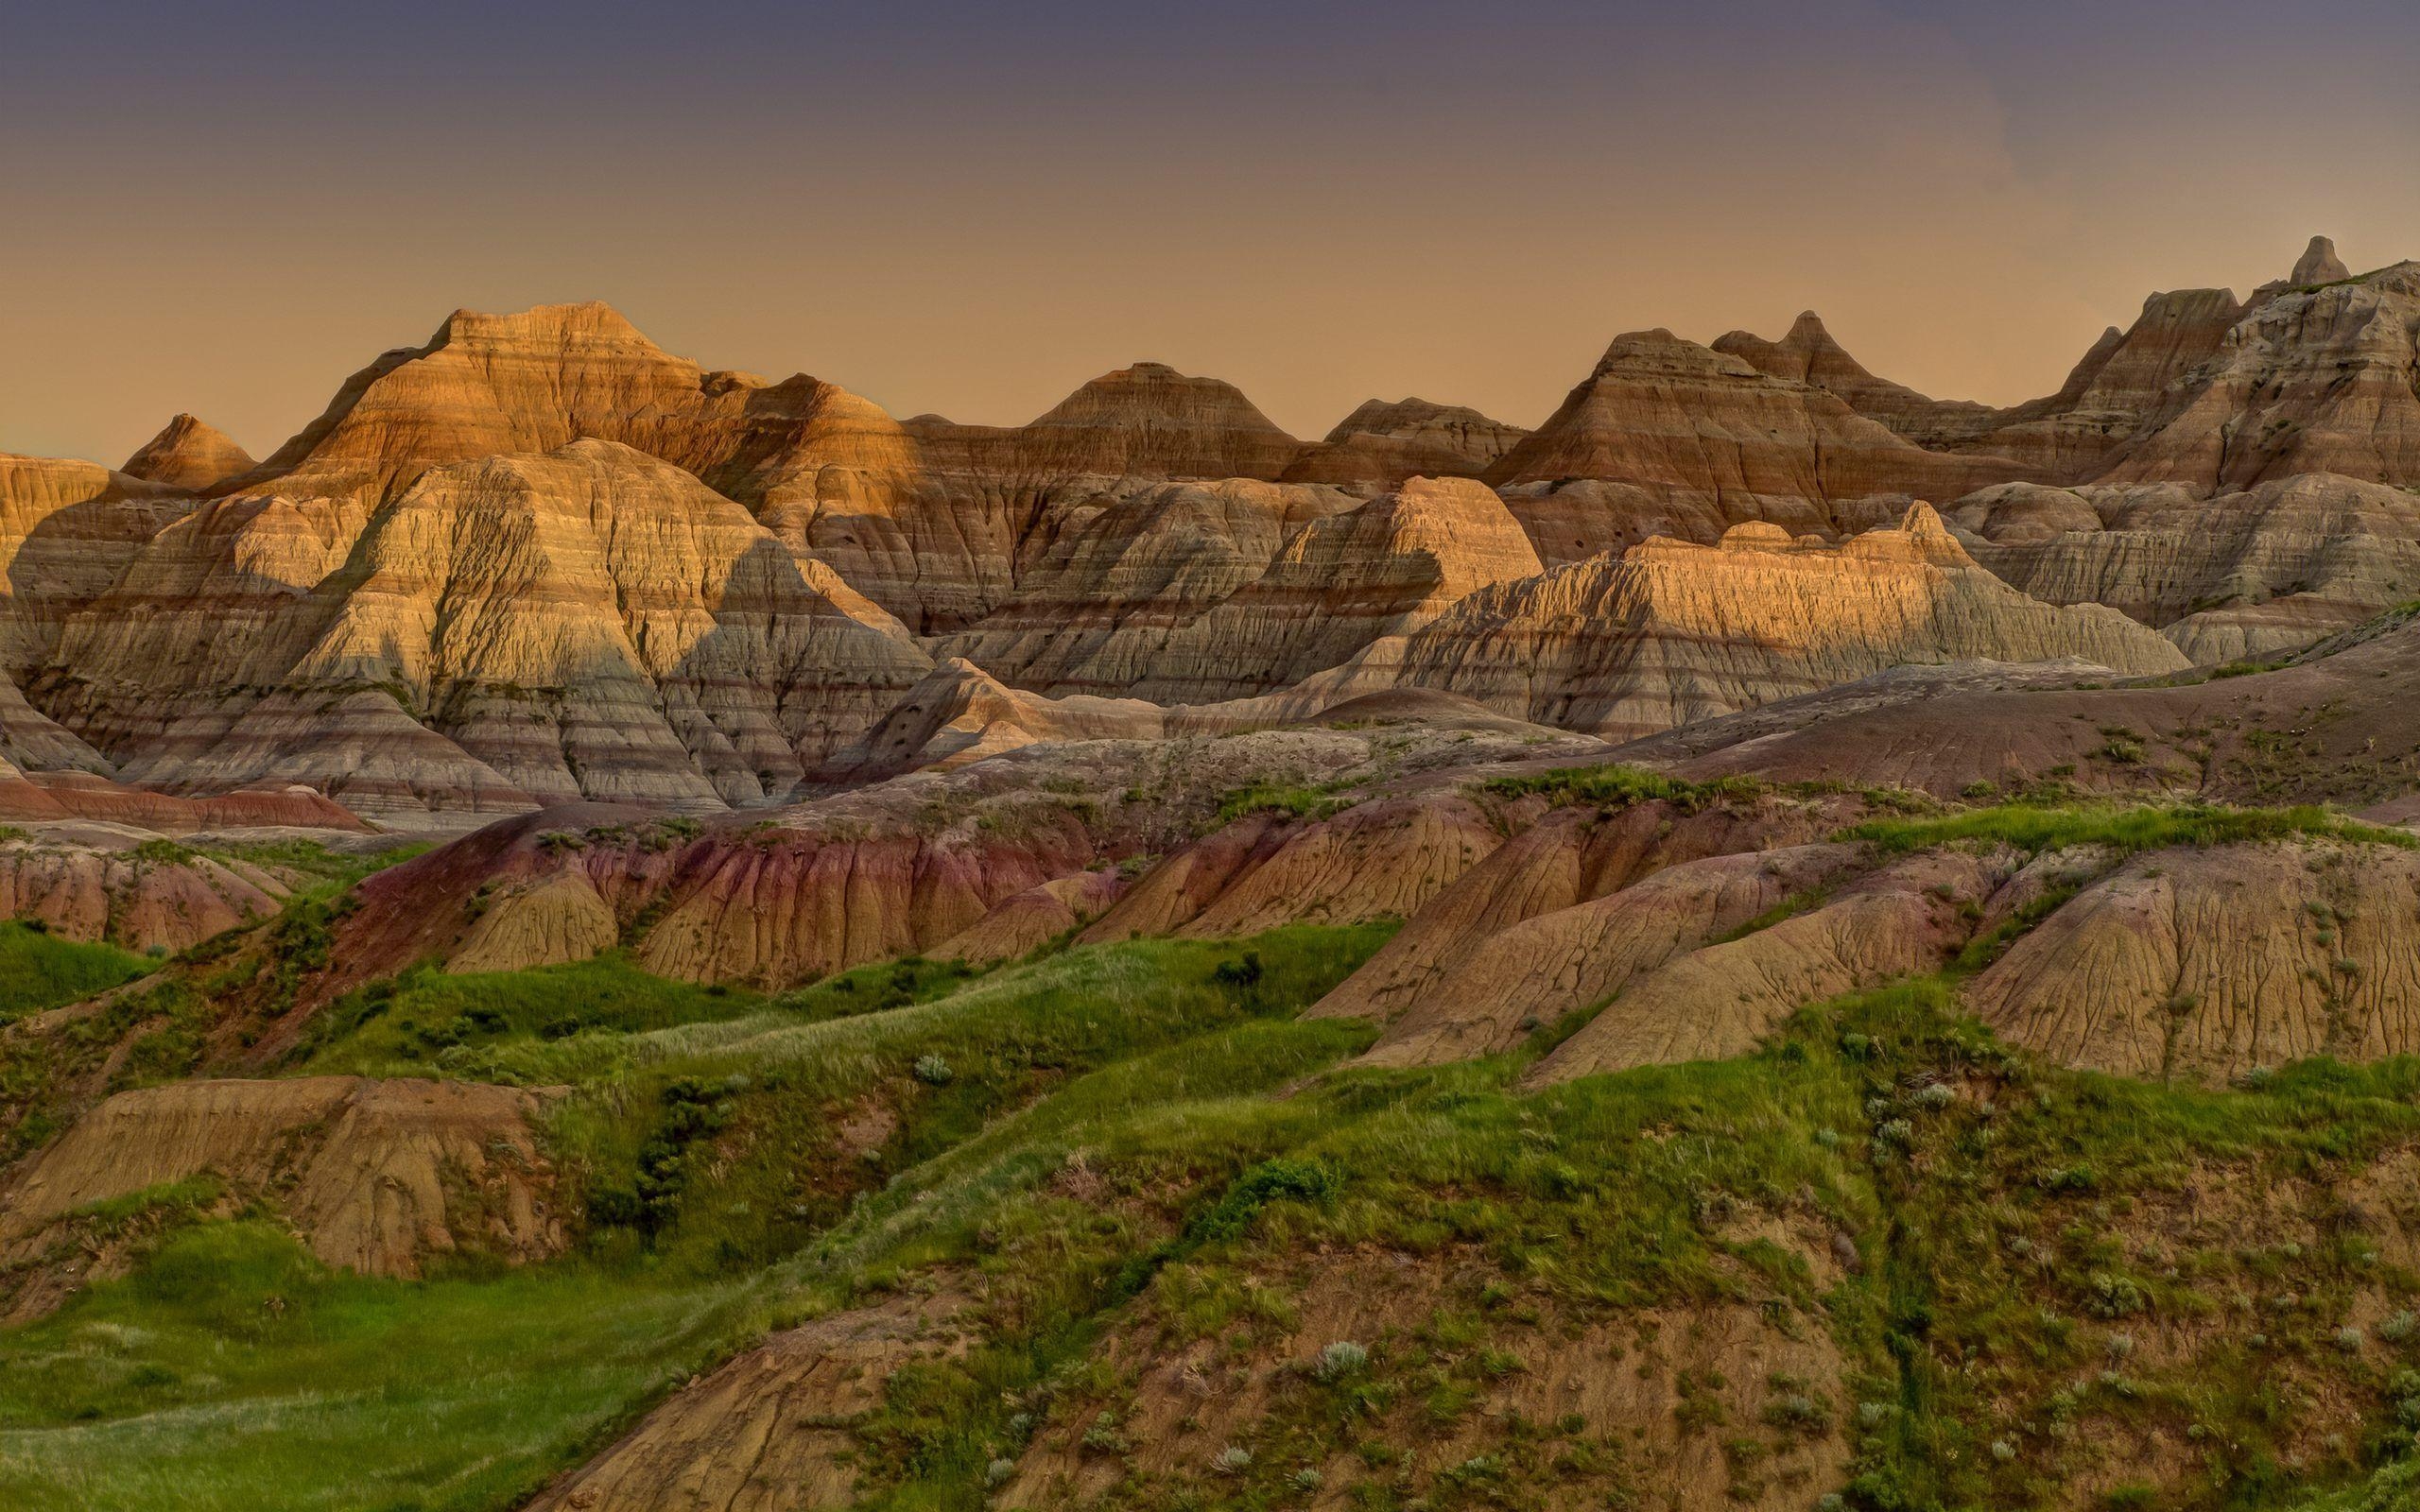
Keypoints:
pixel 1543 967
pixel 374 1176
pixel 1028 920
pixel 2206 963
pixel 769 1432
pixel 1555 861
pixel 1721 1001
pixel 92 882
pixel 1376 860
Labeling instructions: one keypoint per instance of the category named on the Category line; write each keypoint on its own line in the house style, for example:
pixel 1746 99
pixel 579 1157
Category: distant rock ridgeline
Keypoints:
pixel 537 558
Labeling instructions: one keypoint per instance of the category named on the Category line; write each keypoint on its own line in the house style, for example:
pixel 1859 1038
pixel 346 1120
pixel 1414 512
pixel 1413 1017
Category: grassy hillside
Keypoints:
pixel 1191 1256
pixel 40 971
pixel 236 1371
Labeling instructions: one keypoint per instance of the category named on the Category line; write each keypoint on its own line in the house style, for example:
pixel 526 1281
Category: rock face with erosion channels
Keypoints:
pixel 589 623
pixel 2247 575
pixel 1671 633
pixel 1672 415
pixel 2202 964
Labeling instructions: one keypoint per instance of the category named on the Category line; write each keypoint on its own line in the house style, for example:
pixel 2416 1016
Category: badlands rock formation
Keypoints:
pixel 2241 575
pixel 2313 380
pixel 1382 445
pixel 772 1428
pixel 189 456
pixel 2201 965
pixel 1808 355
pixel 94 882
pixel 1671 633
pixel 589 623
pixel 1671 414
pixel 1337 582
pixel 536 558
pixel 2340 724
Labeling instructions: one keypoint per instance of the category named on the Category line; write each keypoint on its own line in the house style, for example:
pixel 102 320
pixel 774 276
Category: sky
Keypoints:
pixel 970 209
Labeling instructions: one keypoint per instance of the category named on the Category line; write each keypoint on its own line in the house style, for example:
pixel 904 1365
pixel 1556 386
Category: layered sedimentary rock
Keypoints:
pixel 2324 379
pixel 1671 633
pixel 2114 390
pixel 773 1430
pixel 2248 574
pixel 2341 724
pixel 824 468
pixel 1032 918
pixel 189 456
pixel 1672 415
pixel 1125 570
pixel 1808 355
pixel 1538 971
pixel 961 714
pixel 1152 628
pixel 1375 860
pixel 1382 444
pixel 1150 421
pixel 67 530
pixel 589 623
pixel 42 797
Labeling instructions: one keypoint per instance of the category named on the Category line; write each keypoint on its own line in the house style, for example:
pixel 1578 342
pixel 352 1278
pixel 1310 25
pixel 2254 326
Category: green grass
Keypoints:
pixel 235 1372
pixel 770 1094
pixel 2036 827
pixel 321 872
pixel 38 970
pixel 1145 1140
pixel 428 1022
pixel 1276 798
pixel 1617 783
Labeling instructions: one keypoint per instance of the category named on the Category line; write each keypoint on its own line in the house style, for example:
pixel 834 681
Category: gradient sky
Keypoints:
pixel 970 208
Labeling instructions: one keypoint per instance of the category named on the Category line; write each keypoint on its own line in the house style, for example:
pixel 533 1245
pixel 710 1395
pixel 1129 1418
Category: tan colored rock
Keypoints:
pixel 591 623
pixel 2319 263
pixel 1722 1000
pixel 1808 355
pixel 1126 569
pixel 961 714
pixel 2314 380
pixel 67 530
pixel 96 881
pixel 1666 413
pixel 551 921
pixel 1150 421
pixel 1535 971
pixel 1205 635
pixel 1382 445
pixel 1672 633
pixel 2245 574
pixel 188 455
pixel 1025 922
pixel 2340 725
pixel 2202 964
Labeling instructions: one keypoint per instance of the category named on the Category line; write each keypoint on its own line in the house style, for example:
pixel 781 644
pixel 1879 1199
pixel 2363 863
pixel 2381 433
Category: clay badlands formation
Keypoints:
pixel 594 932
